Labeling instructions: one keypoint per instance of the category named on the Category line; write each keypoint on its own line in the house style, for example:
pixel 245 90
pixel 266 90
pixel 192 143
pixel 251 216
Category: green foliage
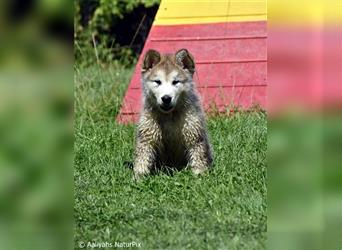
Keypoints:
pixel 109 9
pixel 93 20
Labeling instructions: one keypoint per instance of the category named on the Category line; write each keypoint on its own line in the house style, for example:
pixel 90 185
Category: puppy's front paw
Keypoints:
pixel 199 170
pixel 140 172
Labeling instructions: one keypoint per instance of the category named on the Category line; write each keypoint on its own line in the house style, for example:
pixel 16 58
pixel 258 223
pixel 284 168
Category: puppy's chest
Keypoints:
pixel 173 138
pixel 172 133
pixel 173 150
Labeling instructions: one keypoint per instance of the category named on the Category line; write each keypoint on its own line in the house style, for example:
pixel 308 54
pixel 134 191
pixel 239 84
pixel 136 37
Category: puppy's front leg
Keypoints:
pixel 144 159
pixel 199 157
pixel 148 139
pixel 197 144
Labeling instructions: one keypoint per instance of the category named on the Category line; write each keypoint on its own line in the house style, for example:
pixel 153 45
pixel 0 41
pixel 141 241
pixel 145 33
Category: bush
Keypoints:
pixel 97 23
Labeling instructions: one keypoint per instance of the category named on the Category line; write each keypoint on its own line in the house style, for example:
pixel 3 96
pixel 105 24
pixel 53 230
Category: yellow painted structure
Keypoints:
pixel 173 12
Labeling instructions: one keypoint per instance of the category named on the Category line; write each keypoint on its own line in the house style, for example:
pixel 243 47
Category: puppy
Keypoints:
pixel 172 128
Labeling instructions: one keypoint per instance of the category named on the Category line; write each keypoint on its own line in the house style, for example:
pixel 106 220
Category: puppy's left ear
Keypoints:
pixel 185 60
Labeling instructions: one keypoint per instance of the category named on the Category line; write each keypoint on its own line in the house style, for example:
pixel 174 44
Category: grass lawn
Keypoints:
pixel 224 209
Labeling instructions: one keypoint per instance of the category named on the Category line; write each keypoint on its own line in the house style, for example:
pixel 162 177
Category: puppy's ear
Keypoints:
pixel 185 60
pixel 151 59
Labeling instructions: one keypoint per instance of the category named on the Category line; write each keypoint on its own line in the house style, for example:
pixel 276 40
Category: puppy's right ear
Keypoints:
pixel 151 59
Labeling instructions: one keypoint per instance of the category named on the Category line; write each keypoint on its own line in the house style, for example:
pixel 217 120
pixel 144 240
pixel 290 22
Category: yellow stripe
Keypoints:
pixel 206 11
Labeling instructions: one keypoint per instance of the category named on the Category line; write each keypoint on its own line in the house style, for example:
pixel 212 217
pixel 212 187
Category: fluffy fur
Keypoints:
pixel 171 133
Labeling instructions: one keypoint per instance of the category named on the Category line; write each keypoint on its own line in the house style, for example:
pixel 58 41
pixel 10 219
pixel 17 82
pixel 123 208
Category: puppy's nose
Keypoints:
pixel 166 99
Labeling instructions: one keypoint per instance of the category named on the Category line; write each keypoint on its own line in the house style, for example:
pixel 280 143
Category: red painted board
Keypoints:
pixel 227 97
pixel 127 118
pixel 220 99
pixel 210 97
pixel 206 51
pixel 229 74
pixel 212 30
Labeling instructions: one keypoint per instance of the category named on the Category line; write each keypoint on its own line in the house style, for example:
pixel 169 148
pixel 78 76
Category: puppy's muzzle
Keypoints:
pixel 166 103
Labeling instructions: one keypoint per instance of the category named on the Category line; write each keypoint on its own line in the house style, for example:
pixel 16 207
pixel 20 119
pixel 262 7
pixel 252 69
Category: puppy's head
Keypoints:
pixel 167 78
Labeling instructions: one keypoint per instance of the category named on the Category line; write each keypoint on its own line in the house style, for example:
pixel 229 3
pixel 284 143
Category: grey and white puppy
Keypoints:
pixel 172 128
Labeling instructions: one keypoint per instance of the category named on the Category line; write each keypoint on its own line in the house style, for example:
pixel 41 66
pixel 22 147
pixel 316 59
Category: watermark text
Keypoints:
pixel 106 244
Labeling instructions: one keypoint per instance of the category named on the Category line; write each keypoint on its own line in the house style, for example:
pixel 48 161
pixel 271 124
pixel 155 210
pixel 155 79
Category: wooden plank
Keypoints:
pixel 192 12
pixel 225 74
pixel 239 29
pixel 225 96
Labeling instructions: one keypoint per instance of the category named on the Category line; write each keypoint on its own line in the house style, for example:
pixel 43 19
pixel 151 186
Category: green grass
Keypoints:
pixel 224 209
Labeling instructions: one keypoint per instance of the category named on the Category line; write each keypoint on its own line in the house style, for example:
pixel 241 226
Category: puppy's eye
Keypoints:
pixel 157 82
pixel 175 82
